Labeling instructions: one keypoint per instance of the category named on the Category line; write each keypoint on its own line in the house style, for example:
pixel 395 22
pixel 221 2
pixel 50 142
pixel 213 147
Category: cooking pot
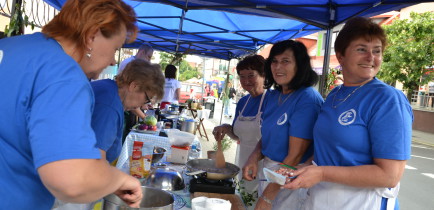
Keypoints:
pixel 207 168
pixel 153 198
pixel 165 179
pixel 188 125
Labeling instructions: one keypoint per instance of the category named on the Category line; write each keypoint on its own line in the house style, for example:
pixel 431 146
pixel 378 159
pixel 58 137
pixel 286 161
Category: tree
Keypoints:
pixel 410 52
pixel 18 21
pixel 185 70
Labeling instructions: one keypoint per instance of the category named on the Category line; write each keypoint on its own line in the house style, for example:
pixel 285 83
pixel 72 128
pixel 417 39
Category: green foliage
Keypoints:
pixel 331 78
pixel 18 21
pixel 410 51
pixel 226 144
pixel 185 70
pixel 248 198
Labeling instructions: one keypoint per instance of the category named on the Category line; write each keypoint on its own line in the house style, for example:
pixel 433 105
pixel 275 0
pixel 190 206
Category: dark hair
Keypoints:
pixel 356 28
pixel 304 75
pixel 252 62
pixel 170 71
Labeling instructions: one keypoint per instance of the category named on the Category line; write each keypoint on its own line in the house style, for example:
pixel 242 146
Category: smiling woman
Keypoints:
pixel 44 80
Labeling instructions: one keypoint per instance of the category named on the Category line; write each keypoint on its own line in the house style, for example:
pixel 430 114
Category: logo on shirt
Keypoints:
pixel 347 117
pixel 1 56
pixel 282 119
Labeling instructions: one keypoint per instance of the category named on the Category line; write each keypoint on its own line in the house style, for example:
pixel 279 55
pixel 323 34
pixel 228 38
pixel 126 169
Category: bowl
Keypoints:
pixel 152 199
pixel 158 154
pixel 165 179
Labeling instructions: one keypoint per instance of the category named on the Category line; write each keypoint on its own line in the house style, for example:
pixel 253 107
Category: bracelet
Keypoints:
pixel 266 199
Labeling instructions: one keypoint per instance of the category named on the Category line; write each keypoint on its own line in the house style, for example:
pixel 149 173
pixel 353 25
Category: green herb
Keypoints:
pixel 226 144
pixel 248 198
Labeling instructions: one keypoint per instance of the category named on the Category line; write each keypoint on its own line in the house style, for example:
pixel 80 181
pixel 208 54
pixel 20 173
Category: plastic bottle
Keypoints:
pixel 194 152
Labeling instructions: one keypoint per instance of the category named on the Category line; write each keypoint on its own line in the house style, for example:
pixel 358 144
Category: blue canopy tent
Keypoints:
pixel 216 34
pixel 229 29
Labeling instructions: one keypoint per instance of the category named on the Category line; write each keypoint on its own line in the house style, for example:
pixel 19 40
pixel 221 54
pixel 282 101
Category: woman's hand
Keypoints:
pixel 131 192
pixel 307 177
pixel 250 170
pixel 220 131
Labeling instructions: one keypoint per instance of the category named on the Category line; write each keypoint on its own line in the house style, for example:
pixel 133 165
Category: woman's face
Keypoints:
pixel 361 61
pixel 251 81
pixel 283 68
pixel 135 98
pixel 102 53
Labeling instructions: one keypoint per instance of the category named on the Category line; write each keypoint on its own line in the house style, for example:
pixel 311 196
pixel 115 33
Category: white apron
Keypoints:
pixel 248 130
pixel 327 195
pixel 285 199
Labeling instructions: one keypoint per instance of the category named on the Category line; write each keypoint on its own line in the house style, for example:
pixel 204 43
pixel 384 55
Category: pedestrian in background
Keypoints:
pixel 172 87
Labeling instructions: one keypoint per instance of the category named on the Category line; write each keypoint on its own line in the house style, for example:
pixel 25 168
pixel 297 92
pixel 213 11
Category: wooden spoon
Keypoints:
pixel 219 156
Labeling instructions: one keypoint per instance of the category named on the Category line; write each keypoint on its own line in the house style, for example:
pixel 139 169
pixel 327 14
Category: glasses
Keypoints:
pixel 148 100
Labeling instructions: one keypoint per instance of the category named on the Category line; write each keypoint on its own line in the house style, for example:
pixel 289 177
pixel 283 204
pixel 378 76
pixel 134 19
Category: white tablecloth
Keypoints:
pixel 148 139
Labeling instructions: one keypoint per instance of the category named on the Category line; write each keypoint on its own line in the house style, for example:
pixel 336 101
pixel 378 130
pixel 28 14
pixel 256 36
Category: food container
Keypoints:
pixel 189 125
pixel 179 155
pixel 179 138
pixel 153 198
pixel 165 179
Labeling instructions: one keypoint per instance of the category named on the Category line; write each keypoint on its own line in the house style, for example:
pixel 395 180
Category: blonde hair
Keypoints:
pixel 78 19
pixel 148 76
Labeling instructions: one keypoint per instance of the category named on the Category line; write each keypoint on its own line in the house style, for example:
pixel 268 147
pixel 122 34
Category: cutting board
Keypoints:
pixel 237 203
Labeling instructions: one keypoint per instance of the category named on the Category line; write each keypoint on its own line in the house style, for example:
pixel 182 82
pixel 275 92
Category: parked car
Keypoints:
pixel 187 89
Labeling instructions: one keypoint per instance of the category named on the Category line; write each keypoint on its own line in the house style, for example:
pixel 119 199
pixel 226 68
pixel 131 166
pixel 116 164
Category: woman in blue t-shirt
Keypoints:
pixel 363 133
pixel 290 111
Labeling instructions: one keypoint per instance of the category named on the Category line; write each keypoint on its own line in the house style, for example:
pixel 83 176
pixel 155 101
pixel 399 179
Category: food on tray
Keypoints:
pixel 150 120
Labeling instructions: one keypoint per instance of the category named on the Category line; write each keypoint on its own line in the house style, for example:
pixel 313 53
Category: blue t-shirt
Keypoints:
pixel 45 116
pixel 374 122
pixel 108 118
pixel 251 108
pixel 295 117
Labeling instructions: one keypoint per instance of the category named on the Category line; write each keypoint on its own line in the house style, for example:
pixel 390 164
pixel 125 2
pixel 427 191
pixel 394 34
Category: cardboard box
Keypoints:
pixel 179 155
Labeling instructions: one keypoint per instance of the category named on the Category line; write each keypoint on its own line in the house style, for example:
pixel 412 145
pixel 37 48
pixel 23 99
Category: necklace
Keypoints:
pixel 343 100
pixel 280 99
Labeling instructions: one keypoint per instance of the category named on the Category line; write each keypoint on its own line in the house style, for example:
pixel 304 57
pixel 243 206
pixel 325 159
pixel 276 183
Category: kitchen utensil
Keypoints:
pixel 188 125
pixel 219 156
pixel 165 179
pixel 152 199
pixel 158 154
pixel 213 173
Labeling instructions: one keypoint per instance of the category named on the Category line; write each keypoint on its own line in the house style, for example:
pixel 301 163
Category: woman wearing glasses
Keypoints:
pixel 130 89
pixel 135 86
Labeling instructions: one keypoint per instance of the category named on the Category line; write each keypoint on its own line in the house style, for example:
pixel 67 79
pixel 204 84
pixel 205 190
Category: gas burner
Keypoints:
pixel 226 186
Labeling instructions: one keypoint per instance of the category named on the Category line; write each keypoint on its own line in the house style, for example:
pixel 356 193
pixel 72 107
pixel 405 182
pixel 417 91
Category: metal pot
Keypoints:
pixel 207 168
pixel 153 198
pixel 189 126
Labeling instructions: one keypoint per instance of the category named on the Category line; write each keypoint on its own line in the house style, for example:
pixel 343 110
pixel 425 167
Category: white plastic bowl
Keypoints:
pixel 179 138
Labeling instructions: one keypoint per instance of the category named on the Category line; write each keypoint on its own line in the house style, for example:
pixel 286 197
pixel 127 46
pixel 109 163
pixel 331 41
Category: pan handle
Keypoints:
pixel 194 173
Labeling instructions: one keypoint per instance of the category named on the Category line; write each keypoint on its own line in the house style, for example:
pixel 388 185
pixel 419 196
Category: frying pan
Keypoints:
pixel 200 166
